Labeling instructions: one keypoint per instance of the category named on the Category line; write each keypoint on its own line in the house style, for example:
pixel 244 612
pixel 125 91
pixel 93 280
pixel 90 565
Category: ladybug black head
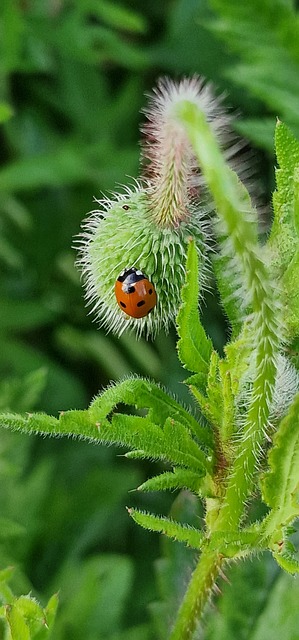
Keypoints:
pixel 131 275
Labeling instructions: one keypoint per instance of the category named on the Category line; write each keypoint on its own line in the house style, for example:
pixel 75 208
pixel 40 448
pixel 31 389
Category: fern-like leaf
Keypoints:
pixel 143 435
pixel 181 533
pixel 155 436
pixel 144 394
pixel 177 479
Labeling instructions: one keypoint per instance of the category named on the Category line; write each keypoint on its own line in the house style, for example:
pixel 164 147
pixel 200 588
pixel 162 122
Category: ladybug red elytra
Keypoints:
pixel 135 294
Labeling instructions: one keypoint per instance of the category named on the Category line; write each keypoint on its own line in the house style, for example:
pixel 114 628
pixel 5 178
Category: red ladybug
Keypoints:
pixel 135 294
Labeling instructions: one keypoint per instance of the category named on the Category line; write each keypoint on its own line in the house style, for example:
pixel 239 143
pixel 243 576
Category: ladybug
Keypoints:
pixel 135 294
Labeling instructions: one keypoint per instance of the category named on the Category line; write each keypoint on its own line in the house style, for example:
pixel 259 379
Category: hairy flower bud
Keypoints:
pixel 148 227
pixel 122 235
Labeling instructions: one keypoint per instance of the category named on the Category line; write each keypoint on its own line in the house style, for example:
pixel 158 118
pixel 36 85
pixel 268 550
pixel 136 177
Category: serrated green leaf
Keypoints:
pixel 286 213
pixel 177 436
pixel 215 392
pixel 177 479
pixel 287 561
pixel 218 404
pixel 144 394
pixel 70 423
pixel 78 423
pixel 27 619
pixel 228 421
pixel 29 423
pixel 290 282
pixel 198 380
pixel 280 484
pixel 283 240
pixel 17 624
pixel 237 356
pixel 134 431
pixel 287 152
pixel 182 533
pixel 194 347
pixel 30 609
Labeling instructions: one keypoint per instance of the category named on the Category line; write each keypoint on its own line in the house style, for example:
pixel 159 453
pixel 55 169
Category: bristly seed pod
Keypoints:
pixel 149 225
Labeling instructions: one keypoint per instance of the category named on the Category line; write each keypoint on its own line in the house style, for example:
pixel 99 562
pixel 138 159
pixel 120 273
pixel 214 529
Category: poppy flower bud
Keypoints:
pixel 148 226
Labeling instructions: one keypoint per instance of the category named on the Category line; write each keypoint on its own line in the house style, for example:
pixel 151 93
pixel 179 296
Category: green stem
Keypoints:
pixel 238 220
pixel 197 594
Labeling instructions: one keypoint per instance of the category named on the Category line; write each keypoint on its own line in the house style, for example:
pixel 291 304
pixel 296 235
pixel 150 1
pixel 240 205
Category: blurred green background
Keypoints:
pixel 73 74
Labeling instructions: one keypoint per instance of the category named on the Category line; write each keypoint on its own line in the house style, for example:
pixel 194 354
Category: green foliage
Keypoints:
pixel 238 221
pixel 280 490
pixel 256 603
pixel 281 481
pixel 24 617
pixel 72 79
pixel 181 533
pixel 159 435
pixel 100 590
pixel 262 45
pixel 194 347
pixel 176 479
pixel 5 112
pixel 144 394
pixel 285 256
pixel 169 433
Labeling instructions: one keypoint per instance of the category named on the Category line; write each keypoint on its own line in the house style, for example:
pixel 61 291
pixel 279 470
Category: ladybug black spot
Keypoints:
pixel 122 304
pixel 150 291
pixel 140 303
pixel 131 289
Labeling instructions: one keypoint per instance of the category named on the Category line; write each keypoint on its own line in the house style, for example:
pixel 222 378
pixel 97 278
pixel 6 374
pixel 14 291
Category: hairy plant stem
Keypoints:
pixel 238 221
pixel 239 225
pixel 197 595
